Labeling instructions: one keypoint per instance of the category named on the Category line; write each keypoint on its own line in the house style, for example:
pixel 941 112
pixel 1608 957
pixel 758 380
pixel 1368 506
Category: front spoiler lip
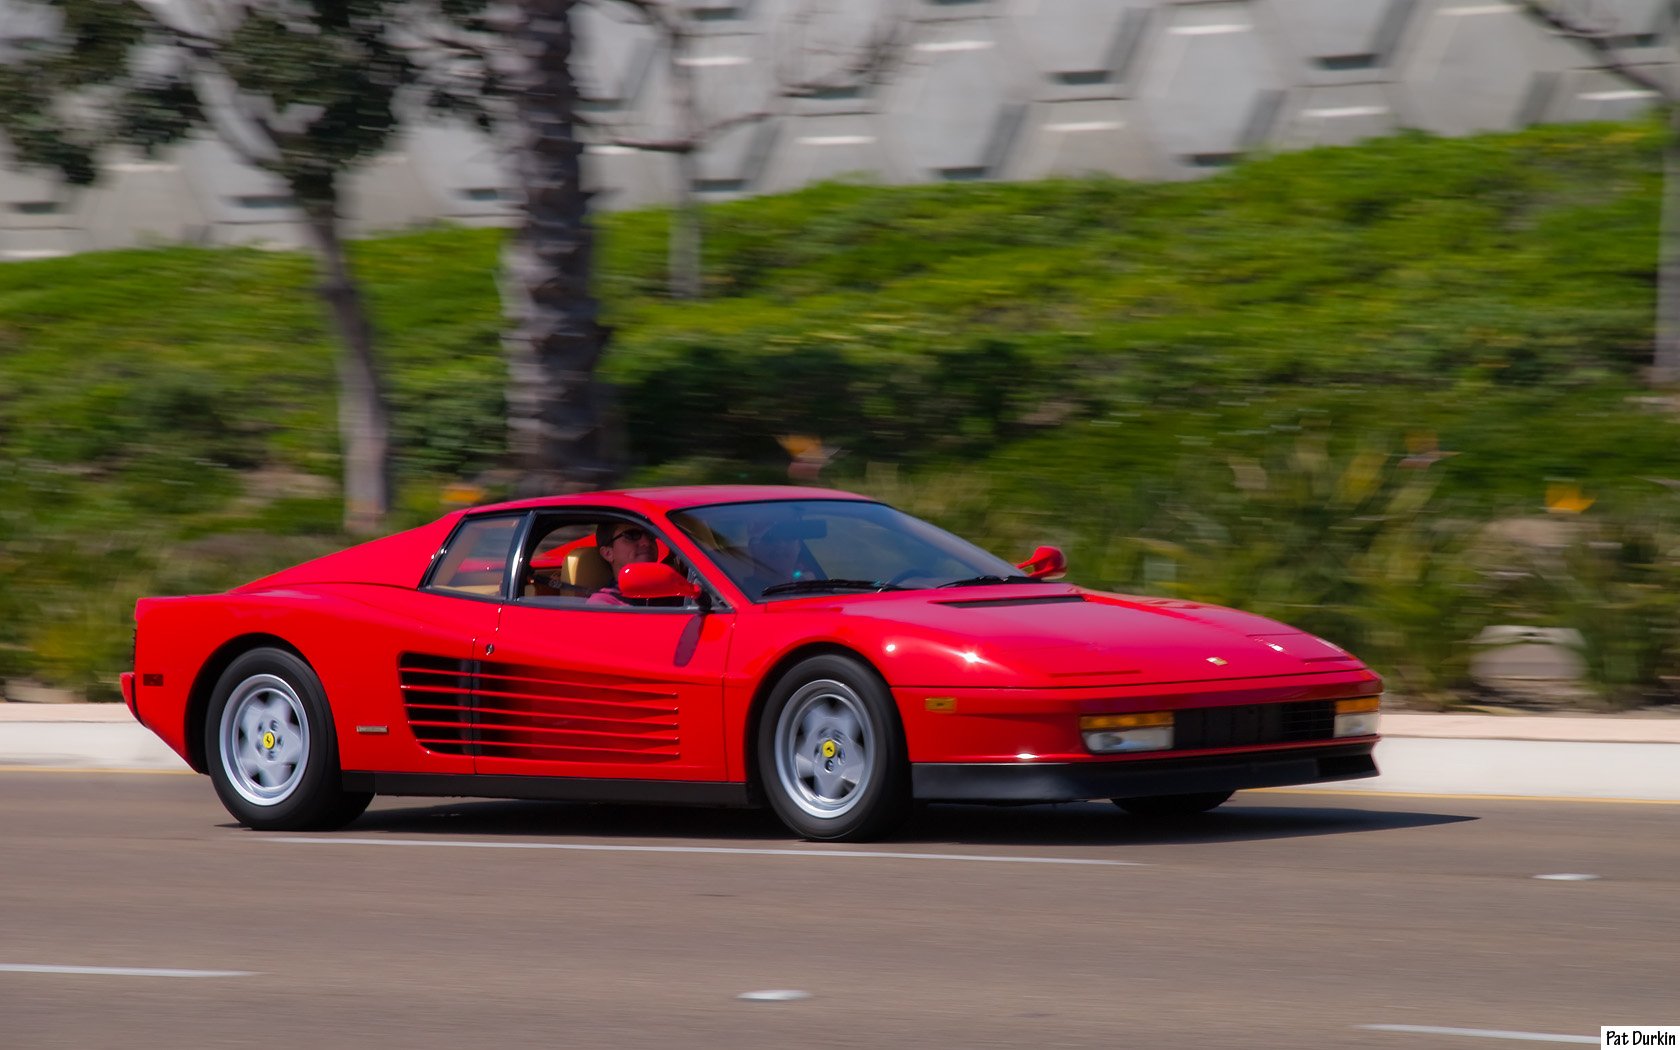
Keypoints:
pixel 1137 778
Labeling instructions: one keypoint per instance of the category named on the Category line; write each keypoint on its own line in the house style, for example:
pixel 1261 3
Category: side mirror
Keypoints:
pixel 653 579
pixel 1046 563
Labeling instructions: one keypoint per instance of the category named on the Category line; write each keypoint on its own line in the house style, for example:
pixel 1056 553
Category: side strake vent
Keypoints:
pixel 502 710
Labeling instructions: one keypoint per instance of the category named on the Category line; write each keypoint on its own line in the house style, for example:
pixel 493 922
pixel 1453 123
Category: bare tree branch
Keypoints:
pixel 1602 43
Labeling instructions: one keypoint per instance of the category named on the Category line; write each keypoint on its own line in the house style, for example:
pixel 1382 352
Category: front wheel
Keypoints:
pixel 831 752
pixel 271 749
pixel 1164 806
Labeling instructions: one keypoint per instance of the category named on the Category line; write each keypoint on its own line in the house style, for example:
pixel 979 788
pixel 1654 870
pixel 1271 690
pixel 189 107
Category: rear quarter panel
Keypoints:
pixel 350 634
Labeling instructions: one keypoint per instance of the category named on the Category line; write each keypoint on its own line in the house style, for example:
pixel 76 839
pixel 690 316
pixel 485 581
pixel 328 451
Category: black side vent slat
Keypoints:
pixel 1246 725
pixel 437 697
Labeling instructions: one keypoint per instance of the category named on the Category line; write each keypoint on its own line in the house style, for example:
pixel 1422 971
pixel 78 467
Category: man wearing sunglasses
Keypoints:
pixel 621 543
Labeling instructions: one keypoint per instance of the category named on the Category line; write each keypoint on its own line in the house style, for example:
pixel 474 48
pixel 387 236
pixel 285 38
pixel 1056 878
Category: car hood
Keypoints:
pixel 1069 636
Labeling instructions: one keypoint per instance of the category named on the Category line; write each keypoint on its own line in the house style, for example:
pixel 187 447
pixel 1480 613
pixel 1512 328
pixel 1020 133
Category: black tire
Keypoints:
pixel 271 749
pixel 831 754
pixel 1158 807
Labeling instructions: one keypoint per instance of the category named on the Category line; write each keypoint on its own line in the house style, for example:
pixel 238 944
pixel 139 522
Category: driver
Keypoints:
pixel 621 543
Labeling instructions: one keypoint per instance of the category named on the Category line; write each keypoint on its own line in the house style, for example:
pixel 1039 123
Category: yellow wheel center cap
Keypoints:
pixel 829 750
pixel 268 740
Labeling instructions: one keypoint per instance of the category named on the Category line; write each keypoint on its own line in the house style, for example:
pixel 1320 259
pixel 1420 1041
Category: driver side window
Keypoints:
pixel 566 565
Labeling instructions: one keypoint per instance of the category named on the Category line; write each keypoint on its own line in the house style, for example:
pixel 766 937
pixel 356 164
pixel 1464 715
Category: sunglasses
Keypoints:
pixel 635 534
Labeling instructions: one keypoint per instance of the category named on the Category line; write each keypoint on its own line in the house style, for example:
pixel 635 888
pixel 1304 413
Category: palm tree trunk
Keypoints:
pixel 557 423
pixel 363 420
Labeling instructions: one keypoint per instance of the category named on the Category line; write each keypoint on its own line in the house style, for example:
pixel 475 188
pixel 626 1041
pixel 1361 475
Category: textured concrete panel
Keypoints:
pixel 825 148
pixel 388 194
pixel 1212 87
pixel 734 75
pixel 1594 94
pixel 725 16
pixel 622 178
pixel 142 201
pixel 733 162
pixel 1340 41
pixel 940 10
pixel 20 245
pixel 25 24
pixel 40 217
pixel 228 192
pixel 1633 25
pixel 33 200
pixel 1099 136
pixel 460 170
pixel 1481 67
pixel 1336 116
pixel 823 44
pixel 613 56
pixel 1080 48
pixel 957 107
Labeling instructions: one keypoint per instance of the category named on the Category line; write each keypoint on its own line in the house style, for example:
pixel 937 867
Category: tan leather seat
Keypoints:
pixel 586 568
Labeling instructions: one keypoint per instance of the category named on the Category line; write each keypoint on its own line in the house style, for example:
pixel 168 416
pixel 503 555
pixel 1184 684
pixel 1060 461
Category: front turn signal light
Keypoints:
pixel 1119 734
pixel 1358 716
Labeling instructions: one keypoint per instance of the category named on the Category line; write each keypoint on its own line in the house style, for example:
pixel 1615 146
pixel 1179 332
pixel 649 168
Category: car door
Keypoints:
pixel 575 689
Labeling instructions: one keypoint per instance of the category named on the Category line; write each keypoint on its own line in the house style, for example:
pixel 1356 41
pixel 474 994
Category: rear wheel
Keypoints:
pixel 271 749
pixel 831 752
pixel 1160 806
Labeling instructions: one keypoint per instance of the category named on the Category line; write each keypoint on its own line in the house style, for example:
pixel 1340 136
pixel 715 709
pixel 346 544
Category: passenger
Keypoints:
pixel 621 543
pixel 774 555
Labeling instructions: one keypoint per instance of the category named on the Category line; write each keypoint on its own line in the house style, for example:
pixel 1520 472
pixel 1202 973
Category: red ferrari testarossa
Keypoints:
pixel 810 649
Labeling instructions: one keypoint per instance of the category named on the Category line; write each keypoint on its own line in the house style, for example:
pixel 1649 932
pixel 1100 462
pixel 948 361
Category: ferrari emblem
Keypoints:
pixel 268 740
pixel 1216 661
pixel 829 749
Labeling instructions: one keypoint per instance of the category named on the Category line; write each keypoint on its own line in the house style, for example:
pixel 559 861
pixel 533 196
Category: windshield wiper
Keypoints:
pixel 812 586
pixel 980 581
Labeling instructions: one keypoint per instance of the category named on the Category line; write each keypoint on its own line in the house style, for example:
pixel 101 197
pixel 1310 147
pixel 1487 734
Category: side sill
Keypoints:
pixel 549 789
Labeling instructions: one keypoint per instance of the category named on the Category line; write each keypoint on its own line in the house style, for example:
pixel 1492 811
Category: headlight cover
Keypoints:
pixel 1121 734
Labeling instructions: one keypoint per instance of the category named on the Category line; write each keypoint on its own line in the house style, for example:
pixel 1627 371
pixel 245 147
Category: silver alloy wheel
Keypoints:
pixel 825 748
pixel 264 737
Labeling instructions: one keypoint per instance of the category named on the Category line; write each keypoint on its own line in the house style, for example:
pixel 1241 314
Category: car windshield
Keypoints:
pixel 787 548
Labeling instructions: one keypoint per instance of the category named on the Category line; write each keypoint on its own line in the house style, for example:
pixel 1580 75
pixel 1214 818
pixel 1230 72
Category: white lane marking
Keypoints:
pixel 120 971
pixel 1569 876
pixel 775 995
pixel 723 850
pixel 1461 796
pixel 1481 1033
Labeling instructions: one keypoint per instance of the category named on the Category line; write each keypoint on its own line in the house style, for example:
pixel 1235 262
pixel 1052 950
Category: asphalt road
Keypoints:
pixel 1284 920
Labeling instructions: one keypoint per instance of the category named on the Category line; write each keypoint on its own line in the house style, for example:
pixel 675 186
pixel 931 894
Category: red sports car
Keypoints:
pixel 808 648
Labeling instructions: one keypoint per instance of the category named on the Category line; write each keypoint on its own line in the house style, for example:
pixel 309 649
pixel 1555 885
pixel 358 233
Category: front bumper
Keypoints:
pixel 1135 778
